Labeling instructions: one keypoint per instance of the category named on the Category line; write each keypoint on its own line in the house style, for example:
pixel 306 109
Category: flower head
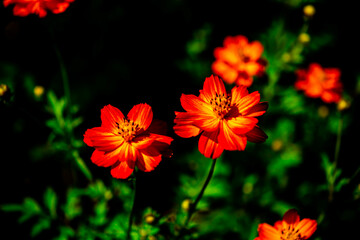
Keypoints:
pixel 25 7
pixel 290 228
pixel 318 82
pixel 238 61
pixel 123 142
pixel 224 120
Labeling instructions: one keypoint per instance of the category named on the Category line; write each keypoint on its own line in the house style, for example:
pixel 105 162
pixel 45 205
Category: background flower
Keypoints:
pixel 239 60
pixel 318 82
pixel 23 8
pixel 290 227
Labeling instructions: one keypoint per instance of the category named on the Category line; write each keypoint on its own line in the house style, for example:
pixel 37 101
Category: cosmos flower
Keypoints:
pixel 25 7
pixel 238 61
pixel 125 142
pixel 290 228
pixel 318 82
pixel 226 121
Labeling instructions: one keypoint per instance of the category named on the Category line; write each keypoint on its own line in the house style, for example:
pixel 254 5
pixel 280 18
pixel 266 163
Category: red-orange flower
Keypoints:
pixel 238 61
pixel 224 120
pixel 123 142
pixel 290 228
pixel 25 7
pixel 318 82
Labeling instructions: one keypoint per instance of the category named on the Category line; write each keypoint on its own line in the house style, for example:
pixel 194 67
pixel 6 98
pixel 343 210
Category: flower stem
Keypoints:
pixel 128 235
pixel 336 157
pixel 197 200
pixel 64 77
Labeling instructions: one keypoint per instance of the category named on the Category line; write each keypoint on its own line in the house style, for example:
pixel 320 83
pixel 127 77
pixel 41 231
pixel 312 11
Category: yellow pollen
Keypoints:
pixel 221 104
pixel 290 234
pixel 127 129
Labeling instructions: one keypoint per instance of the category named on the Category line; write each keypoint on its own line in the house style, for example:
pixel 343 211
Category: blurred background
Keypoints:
pixel 128 52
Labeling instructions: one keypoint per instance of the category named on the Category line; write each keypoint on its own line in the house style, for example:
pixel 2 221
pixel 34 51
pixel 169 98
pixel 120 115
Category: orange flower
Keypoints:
pixel 318 82
pixel 238 61
pixel 123 142
pixel 25 7
pixel 290 228
pixel 224 120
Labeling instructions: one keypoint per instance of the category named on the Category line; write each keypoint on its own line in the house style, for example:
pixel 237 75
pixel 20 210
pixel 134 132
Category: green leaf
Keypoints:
pixel 100 214
pixel 81 164
pixel 42 224
pixel 30 208
pixel 50 201
pixel 72 208
pixel 65 233
pixel 54 125
pixel 341 183
pixel 12 208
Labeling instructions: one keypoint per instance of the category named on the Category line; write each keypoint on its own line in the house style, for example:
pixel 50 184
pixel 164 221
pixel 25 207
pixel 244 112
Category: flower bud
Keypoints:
pixel 185 205
pixel 3 89
pixel 38 91
pixel 309 10
pixel 304 38
pixel 149 219
pixel 343 104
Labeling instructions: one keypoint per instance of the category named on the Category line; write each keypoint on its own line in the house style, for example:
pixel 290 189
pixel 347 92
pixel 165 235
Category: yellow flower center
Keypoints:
pixel 290 234
pixel 221 104
pixel 127 129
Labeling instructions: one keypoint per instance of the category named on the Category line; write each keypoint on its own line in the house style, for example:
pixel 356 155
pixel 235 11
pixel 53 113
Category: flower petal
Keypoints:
pixel 200 113
pixel 291 217
pixel 258 109
pixel 183 128
pixel 222 69
pixel 241 125
pixel 213 86
pixel 306 227
pixel 141 114
pixel 103 159
pixel 254 50
pixel 256 135
pixel 228 55
pixel 230 140
pixel 127 152
pixel 110 116
pixel 268 232
pixel 102 140
pixel 208 145
pixel 237 93
pixel 122 169
pixel 248 102
pixel 148 159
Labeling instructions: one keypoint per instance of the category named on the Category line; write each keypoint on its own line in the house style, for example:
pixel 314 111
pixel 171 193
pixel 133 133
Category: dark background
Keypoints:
pixel 128 52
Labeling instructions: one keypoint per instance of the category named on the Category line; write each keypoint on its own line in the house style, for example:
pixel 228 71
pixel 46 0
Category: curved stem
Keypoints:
pixel 197 200
pixel 128 235
pixel 336 158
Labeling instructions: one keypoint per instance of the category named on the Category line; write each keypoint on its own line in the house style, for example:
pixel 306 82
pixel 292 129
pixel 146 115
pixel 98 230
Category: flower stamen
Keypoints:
pixel 221 104
pixel 127 129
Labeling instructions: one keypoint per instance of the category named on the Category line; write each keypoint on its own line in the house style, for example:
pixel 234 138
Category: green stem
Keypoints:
pixel 336 158
pixel 64 76
pixel 131 217
pixel 197 200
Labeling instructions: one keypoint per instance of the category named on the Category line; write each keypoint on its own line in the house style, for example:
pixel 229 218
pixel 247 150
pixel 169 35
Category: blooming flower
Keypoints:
pixel 224 120
pixel 290 228
pixel 318 82
pixel 238 61
pixel 25 7
pixel 123 142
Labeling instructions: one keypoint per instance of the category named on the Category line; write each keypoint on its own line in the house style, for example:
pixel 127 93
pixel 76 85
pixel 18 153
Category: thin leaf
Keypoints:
pixel 50 201
pixel 81 164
